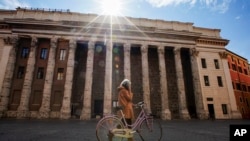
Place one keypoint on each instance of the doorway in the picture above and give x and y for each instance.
(211, 111)
(98, 108)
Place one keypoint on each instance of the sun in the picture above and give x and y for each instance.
(111, 7)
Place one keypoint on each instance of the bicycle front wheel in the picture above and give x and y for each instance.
(105, 126)
(150, 130)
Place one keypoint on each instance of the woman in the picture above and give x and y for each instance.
(125, 97)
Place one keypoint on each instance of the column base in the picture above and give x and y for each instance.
(166, 114)
(202, 115)
(184, 114)
(23, 114)
(43, 113)
(236, 115)
(85, 116)
(65, 115)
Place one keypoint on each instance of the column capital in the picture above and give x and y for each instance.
(127, 47)
(10, 40)
(144, 48)
(72, 43)
(33, 41)
(223, 55)
(161, 49)
(91, 44)
(177, 50)
(53, 42)
(194, 52)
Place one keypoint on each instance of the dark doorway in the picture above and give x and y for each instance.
(98, 108)
(211, 111)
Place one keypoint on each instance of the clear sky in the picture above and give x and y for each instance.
(231, 16)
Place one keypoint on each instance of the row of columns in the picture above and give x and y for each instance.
(44, 111)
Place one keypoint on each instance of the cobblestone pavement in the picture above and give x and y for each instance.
(78, 130)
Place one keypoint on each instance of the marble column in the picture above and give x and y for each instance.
(165, 113)
(145, 77)
(23, 108)
(127, 72)
(197, 85)
(234, 111)
(180, 84)
(44, 111)
(86, 111)
(107, 107)
(10, 42)
(65, 112)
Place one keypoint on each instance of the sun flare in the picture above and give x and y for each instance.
(111, 7)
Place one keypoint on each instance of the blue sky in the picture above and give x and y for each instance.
(231, 16)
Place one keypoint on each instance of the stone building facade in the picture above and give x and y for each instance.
(59, 64)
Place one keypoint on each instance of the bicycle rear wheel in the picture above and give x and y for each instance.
(150, 130)
(104, 128)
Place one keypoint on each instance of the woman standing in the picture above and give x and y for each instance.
(125, 97)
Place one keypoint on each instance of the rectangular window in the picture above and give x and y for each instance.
(20, 72)
(238, 87)
(44, 52)
(203, 63)
(60, 73)
(25, 52)
(245, 71)
(248, 88)
(224, 108)
(219, 79)
(216, 63)
(40, 73)
(240, 70)
(233, 85)
(206, 80)
(62, 54)
(234, 67)
(244, 88)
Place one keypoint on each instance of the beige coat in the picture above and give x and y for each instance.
(125, 99)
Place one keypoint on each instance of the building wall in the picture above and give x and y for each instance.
(240, 77)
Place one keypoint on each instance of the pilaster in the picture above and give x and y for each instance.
(201, 114)
(11, 42)
(44, 111)
(86, 111)
(165, 113)
(180, 84)
(23, 109)
(145, 77)
(65, 112)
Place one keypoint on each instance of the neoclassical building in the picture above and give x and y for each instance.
(60, 64)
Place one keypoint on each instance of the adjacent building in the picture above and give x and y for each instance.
(239, 71)
(60, 64)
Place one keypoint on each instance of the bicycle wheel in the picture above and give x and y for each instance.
(104, 128)
(150, 130)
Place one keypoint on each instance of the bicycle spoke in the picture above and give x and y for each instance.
(150, 131)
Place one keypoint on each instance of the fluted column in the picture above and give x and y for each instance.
(145, 77)
(107, 109)
(197, 85)
(180, 84)
(10, 42)
(44, 110)
(23, 109)
(86, 111)
(65, 112)
(165, 113)
(127, 72)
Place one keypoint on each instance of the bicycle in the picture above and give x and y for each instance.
(113, 128)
